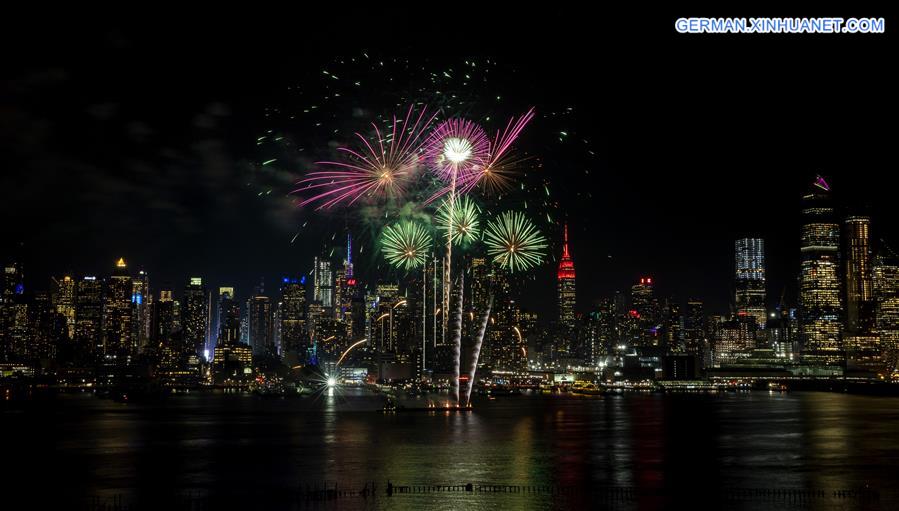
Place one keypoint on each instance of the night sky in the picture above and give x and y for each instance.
(139, 139)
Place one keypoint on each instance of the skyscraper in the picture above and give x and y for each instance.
(645, 312)
(259, 314)
(734, 340)
(384, 325)
(292, 314)
(344, 289)
(48, 328)
(195, 315)
(232, 359)
(141, 302)
(163, 317)
(229, 317)
(694, 329)
(750, 279)
(117, 313)
(566, 284)
(13, 280)
(502, 344)
(598, 332)
(12, 309)
(565, 338)
(859, 285)
(63, 299)
(821, 307)
(886, 299)
(672, 327)
(89, 314)
(323, 285)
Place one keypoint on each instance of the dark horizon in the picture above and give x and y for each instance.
(136, 143)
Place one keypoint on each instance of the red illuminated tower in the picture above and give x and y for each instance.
(566, 284)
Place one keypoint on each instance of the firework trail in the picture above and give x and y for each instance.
(476, 351)
(455, 149)
(348, 350)
(457, 336)
(371, 170)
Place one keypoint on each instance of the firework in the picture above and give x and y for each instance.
(514, 242)
(405, 245)
(495, 174)
(371, 170)
(357, 343)
(456, 148)
(459, 220)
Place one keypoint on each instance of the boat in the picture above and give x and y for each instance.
(498, 390)
(391, 406)
(586, 389)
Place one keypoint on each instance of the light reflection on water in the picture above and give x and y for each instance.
(218, 445)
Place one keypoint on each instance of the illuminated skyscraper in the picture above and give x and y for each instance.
(501, 347)
(195, 315)
(645, 312)
(118, 340)
(292, 316)
(89, 314)
(750, 279)
(13, 280)
(141, 304)
(343, 289)
(63, 299)
(13, 315)
(565, 338)
(734, 340)
(48, 328)
(340, 289)
(821, 307)
(886, 299)
(323, 285)
(345, 292)
(478, 286)
(232, 359)
(163, 318)
(858, 280)
(672, 335)
(385, 321)
(598, 333)
(566, 284)
(694, 329)
(259, 315)
(229, 317)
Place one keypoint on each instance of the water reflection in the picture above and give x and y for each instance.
(689, 446)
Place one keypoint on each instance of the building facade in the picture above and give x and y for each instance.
(820, 297)
(750, 279)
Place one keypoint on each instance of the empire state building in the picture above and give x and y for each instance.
(566, 285)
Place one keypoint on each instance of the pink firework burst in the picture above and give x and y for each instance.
(456, 148)
(493, 171)
(374, 169)
(495, 174)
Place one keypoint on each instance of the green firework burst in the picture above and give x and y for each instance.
(405, 244)
(461, 221)
(514, 242)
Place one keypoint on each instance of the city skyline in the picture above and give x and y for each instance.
(320, 268)
(838, 317)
